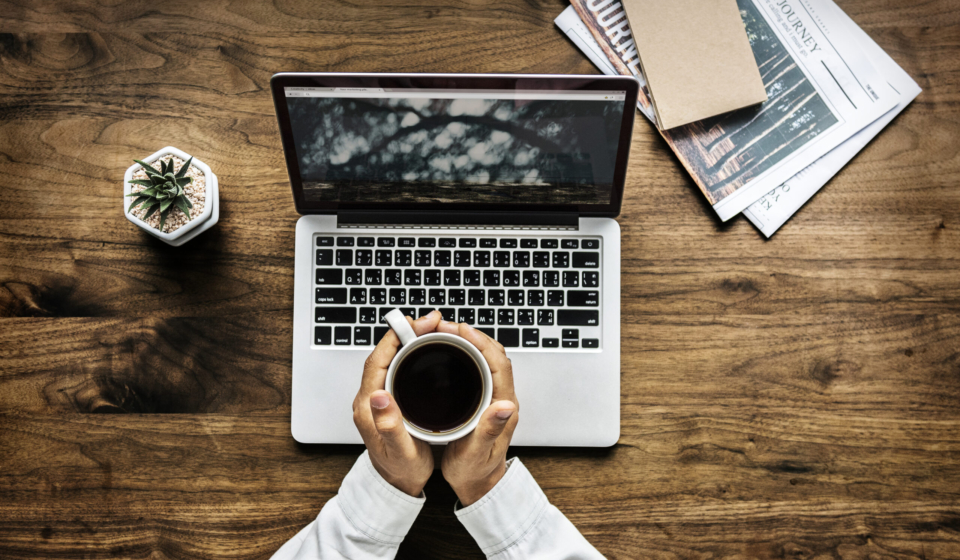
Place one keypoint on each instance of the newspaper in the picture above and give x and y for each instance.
(777, 206)
(822, 90)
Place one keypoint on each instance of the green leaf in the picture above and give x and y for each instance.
(189, 204)
(151, 170)
(144, 182)
(166, 204)
(184, 181)
(137, 201)
(182, 205)
(184, 168)
(163, 218)
(150, 212)
(152, 191)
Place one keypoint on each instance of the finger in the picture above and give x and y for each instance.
(387, 419)
(500, 367)
(449, 327)
(375, 368)
(426, 324)
(493, 422)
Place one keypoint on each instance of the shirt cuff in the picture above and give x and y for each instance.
(507, 512)
(374, 507)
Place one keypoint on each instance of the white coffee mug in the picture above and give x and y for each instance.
(409, 341)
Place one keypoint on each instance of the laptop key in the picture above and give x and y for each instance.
(481, 258)
(358, 296)
(324, 257)
(324, 242)
(411, 277)
(364, 257)
(570, 333)
(365, 242)
(508, 243)
(409, 312)
(548, 243)
(589, 244)
(561, 259)
(505, 316)
(344, 242)
(501, 259)
(386, 242)
(531, 278)
(466, 315)
(487, 331)
(418, 296)
(368, 315)
(541, 259)
(341, 336)
(379, 333)
(461, 258)
(525, 316)
(406, 242)
(329, 276)
(331, 295)
(361, 336)
(378, 296)
(451, 277)
(485, 316)
(490, 278)
(571, 343)
(373, 277)
(488, 243)
(402, 257)
(571, 279)
(424, 311)
(545, 317)
(384, 258)
(591, 342)
(551, 278)
(555, 298)
(353, 277)
(528, 243)
(421, 258)
(448, 242)
(431, 278)
(494, 297)
(583, 298)
(515, 297)
(427, 242)
(398, 296)
(521, 259)
(438, 297)
(586, 260)
(449, 314)
(511, 278)
(321, 335)
(569, 243)
(531, 338)
(391, 276)
(344, 257)
(509, 338)
(551, 343)
(591, 279)
(335, 315)
(578, 317)
(471, 277)
(441, 258)
(476, 297)
(457, 296)
(468, 243)
(535, 298)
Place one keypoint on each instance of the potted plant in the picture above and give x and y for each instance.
(171, 195)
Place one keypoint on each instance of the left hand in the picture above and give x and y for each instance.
(402, 460)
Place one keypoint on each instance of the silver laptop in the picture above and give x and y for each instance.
(488, 197)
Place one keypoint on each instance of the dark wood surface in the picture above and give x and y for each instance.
(797, 397)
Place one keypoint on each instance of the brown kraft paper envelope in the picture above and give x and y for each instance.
(696, 58)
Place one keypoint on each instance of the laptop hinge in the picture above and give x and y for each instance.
(458, 220)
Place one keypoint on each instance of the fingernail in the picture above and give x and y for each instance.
(379, 401)
(504, 414)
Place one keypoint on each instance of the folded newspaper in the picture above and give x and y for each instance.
(823, 91)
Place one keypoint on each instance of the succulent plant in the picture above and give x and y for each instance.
(164, 190)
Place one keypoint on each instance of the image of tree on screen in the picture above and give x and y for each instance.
(418, 149)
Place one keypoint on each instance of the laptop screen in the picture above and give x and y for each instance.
(365, 147)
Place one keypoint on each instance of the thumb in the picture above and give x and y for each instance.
(386, 417)
(494, 421)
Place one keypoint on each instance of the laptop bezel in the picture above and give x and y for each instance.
(547, 82)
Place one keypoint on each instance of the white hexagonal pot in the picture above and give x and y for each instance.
(193, 228)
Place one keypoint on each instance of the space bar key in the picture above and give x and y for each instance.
(578, 317)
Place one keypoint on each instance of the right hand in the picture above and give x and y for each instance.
(475, 463)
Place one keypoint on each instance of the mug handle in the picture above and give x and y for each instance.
(398, 322)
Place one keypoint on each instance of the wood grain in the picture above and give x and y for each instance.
(796, 397)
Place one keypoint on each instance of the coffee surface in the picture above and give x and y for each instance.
(438, 387)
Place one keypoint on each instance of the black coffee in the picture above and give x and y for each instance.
(438, 387)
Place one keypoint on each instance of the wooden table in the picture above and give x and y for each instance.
(797, 397)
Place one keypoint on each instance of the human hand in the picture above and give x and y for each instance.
(475, 463)
(402, 460)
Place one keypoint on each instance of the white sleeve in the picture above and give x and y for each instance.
(515, 520)
(368, 519)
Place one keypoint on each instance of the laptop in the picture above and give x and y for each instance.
(488, 197)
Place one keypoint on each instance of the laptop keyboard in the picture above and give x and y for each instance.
(533, 291)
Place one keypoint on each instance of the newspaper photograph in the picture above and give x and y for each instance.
(822, 90)
(777, 206)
